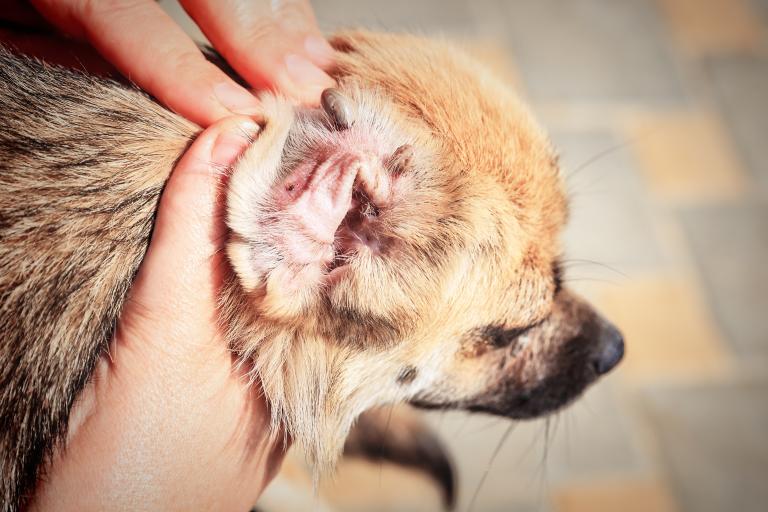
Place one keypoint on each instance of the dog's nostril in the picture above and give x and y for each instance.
(610, 350)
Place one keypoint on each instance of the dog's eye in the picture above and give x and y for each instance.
(500, 337)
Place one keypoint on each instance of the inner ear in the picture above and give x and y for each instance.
(291, 233)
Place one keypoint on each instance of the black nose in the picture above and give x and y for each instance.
(610, 350)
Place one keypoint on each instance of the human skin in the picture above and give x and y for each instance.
(168, 423)
(272, 45)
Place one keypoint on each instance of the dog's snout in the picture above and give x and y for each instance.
(610, 350)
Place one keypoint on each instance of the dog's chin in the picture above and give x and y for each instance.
(545, 398)
(540, 401)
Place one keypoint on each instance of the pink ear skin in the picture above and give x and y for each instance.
(312, 205)
(293, 236)
(322, 202)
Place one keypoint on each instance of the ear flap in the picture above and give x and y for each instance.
(254, 175)
(239, 256)
(289, 231)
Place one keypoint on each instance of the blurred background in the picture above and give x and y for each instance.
(660, 111)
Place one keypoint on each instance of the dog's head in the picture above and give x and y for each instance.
(401, 243)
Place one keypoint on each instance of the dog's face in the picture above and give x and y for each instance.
(401, 243)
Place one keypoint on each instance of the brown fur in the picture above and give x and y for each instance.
(462, 308)
(82, 163)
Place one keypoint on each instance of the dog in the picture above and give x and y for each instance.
(400, 243)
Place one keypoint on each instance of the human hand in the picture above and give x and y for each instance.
(167, 423)
(274, 45)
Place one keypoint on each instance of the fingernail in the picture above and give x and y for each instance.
(231, 142)
(236, 99)
(305, 74)
(319, 50)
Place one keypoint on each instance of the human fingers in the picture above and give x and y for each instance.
(184, 263)
(274, 45)
(150, 49)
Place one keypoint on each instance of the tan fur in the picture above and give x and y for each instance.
(460, 308)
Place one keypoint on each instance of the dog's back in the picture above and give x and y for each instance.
(82, 164)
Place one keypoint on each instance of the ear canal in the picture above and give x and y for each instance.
(339, 108)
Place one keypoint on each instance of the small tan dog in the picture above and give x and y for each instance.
(399, 244)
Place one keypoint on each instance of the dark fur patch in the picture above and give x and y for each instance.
(407, 375)
(557, 275)
(493, 337)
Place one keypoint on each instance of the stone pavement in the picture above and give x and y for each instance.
(660, 111)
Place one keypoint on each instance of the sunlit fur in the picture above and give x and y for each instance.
(470, 238)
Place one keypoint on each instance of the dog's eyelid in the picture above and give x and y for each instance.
(557, 275)
(501, 336)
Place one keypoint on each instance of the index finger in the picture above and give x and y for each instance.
(151, 50)
(291, 50)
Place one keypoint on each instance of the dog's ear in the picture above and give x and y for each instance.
(398, 434)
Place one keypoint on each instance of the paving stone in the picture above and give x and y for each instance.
(611, 220)
(730, 244)
(592, 437)
(373, 487)
(668, 329)
(687, 157)
(472, 440)
(496, 58)
(712, 27)
(425, 16)
(713, 439)
(762, 7)
(741, 84)
(594, 50)
(615, 494)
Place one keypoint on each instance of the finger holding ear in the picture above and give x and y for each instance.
(151, 50)
(272, 44)
(183, 264)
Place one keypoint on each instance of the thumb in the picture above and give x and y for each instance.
(189, 230)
